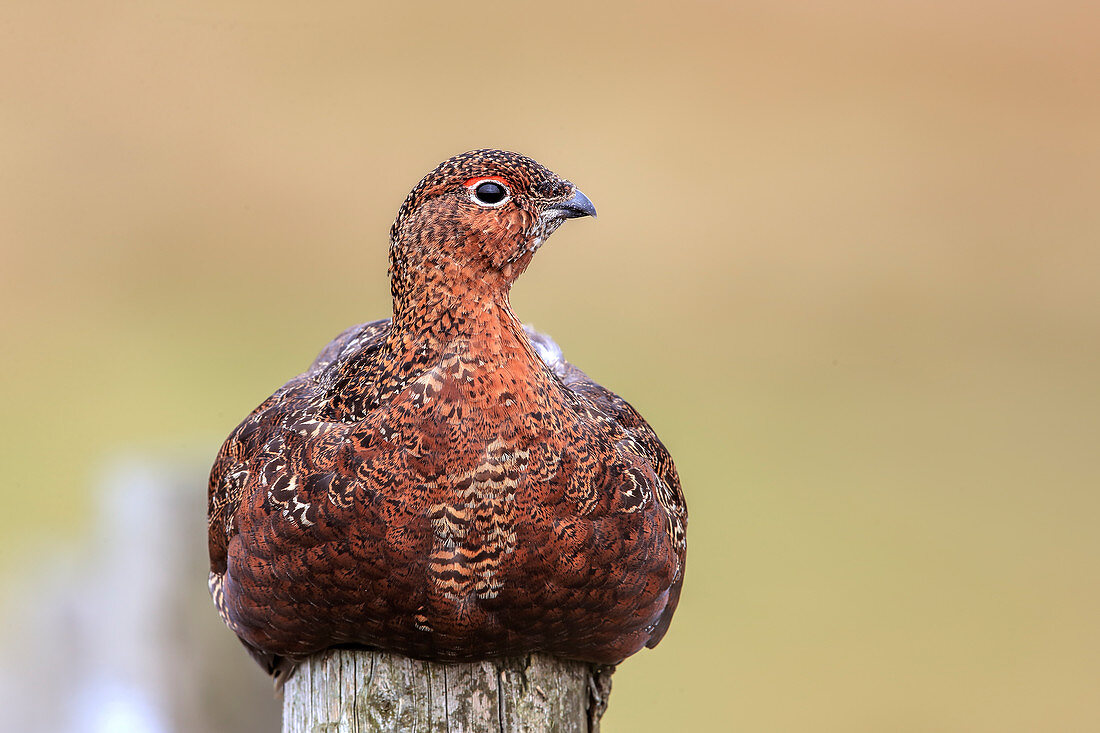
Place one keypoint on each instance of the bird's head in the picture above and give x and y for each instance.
(477, 220)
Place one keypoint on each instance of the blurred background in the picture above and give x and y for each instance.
(847, 264)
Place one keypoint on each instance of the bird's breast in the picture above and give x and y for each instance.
(477, 432)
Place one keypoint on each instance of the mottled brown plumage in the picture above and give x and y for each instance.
(444, 484)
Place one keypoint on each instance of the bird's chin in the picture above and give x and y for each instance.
(548, 223)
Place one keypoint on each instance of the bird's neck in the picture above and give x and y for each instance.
(431, 330)
(448, 302)
(447, 295)
(449, 321)
(439, 311)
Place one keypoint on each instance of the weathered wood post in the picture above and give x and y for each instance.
(351, 691)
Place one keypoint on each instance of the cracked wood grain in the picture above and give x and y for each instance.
(356, 691)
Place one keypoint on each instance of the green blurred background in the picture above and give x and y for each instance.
(847, 264)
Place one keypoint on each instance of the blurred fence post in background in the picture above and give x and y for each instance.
(350, 691)
(116, 631)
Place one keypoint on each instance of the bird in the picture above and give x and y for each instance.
(442, 483)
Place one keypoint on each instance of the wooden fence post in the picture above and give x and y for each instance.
(352, 691)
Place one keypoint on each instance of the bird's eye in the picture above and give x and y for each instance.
(490, 193)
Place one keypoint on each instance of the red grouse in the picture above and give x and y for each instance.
(443, 484)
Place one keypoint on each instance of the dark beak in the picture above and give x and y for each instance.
(576, 206)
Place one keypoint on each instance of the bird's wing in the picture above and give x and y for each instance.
(637, 438)
(355, 338)
(228, 475)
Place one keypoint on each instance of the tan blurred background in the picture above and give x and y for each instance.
(847, 263)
